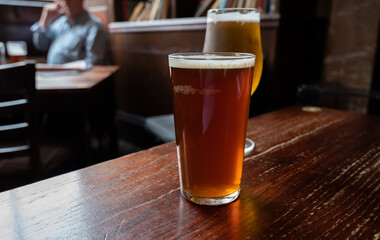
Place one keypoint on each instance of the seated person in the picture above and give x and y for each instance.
(69, 33)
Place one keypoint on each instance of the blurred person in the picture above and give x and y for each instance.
(69, 33)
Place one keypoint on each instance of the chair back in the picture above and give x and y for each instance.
(18, 113)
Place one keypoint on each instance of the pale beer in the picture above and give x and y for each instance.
(235, 30)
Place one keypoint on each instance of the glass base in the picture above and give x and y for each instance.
(211, 201)
(249, 146)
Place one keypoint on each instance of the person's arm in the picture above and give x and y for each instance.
(50, 13)
(42, 38)
(42, 35)
(97, 46)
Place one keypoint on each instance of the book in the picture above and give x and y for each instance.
(165, 9)
(247, 3)
(145, 12)
(154, 11)
(173, 8)
(127, 8)
(203, 7)
(223, 3)
(234, 4)
(260, 5)
(252, 4)
(160, 8)
(137, 11)
(216, 4)
(240, 4)
(229, 3)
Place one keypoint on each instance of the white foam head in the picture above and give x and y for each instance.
(233, 15)
(17, 48)
(212, 60)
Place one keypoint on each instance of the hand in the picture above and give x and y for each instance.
(50, 13)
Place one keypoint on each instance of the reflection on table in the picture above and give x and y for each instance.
(313, 174)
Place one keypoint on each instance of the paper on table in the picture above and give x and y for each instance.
(79, 65)
(57, 73)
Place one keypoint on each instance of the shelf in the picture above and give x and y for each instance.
(179, 24)
(173, 24)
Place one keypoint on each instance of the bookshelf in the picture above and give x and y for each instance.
(142, 10)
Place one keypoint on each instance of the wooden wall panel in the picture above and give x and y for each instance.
(351, 47)
(141, 50)
(143, 83)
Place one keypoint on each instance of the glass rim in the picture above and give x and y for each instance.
(227, 10)
(212, 60)
(219, 56)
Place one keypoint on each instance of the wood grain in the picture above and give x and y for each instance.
(313, 175)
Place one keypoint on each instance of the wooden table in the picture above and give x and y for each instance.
(73, 81)
(312, 175)
(87, 102)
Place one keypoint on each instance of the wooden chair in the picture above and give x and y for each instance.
(18, 114)
(20, 149)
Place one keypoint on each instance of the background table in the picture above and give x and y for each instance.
(86, 100)
(311, 175)
(73, 81)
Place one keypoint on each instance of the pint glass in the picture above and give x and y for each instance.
(17, 51)
(211, 95)
(236, 30)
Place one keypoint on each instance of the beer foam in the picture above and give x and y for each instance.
(233, 17)
(211, 62)
(17, 52)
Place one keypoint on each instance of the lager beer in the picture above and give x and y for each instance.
(235, 30)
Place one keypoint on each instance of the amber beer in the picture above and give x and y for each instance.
(17, 58)
(211, 94)
(235, 30)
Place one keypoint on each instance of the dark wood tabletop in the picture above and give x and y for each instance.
(313, 175)
(74, 81)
